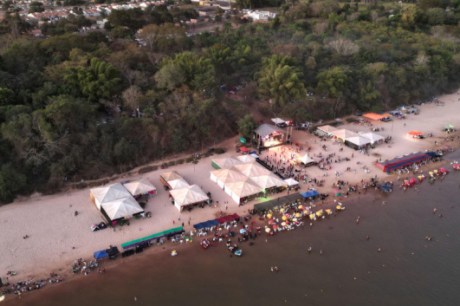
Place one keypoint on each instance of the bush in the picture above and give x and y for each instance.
(219, 150)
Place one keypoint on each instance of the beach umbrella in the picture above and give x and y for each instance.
(298, 215)
(300, 207)
(269, 216)
(281, 210)
(267, 230)
(283, 224)
(284, 218)
(242, 231)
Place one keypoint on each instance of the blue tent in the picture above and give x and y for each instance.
(309, 194)
(206, 224)
(98, 255)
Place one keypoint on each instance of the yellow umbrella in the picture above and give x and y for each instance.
(284, 218)
(298, 215)
(300, 207)
(269, 216)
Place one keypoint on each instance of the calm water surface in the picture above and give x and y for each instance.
(408, 271)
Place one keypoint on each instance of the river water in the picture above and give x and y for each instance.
(409, 270)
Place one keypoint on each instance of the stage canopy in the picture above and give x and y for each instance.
(140, 187)
(373, 137)
(189, 195)
(122, 208)
(343, 134)
(108, 193)
(266, 129)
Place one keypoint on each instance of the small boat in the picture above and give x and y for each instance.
(173, 253)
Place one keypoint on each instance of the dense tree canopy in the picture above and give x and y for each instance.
(80, 106)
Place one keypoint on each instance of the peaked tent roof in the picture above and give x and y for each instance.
(278, 120)
(228, 175)
(268, 181)
(172, 175)
(188, 195)
(343, 134)
(306, 159)
(244, 188)
(359, 140)
(373, 137)
(246, 158)
(291, 182)
(375, 116)
(178, 183)
(251, 170)
(267, 129)
(109, 193)
(327, 129)
(226, 162)
(122, 208)
(142, 186)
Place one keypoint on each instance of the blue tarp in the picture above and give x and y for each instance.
(309, 194)
(101, 254)
(206, 224)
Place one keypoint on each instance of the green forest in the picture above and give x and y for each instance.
(79, 106)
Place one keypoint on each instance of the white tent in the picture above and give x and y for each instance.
(326, 130)
(108, 193)
(140, 187)
(373, 137)
(178, 183)
(246, 159)
(225, 163)
(251, 170)
(169, 176)
(358, 141)
(224, 176)
(268, 181)
(305, 159)
(343, 134)
(238, 190)
(122, 208)
(291, 182)
(188, 196)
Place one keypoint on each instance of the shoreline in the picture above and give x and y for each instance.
(64, 204)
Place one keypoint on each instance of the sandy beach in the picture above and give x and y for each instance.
(56, 237)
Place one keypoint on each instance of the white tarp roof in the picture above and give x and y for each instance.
(291, 182)
(122, 208)
(188, 195)
(243, 189)
(226, 162)
(172, 175)
(268, 181)
(373, 137)
(359, 141)
(278, 120)
(224, 176)
(246, 158)
(140, 187)
(343, 134)
(178, 183)
(251, 170)
(306, 159)
(327, 129)
(109, 193)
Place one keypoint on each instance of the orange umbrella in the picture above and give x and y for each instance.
(415, 133)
